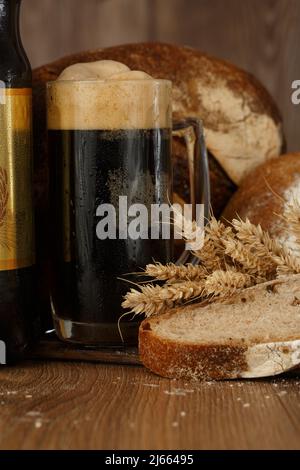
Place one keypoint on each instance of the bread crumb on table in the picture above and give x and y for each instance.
(151, 385)
(38, 423)
(33, 413)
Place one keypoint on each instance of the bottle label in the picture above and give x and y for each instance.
(16, 212)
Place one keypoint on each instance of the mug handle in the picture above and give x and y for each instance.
(191, 130)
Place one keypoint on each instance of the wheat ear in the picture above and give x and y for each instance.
(153, 300)
(226, 283)
(212, 255)
(292, 218)
(172, 272)
(250, 264)
(265, 247)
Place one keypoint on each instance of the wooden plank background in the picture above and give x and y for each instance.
(262, 36)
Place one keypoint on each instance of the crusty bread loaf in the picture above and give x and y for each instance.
(264, 195)
(242, 123)
(255, 333)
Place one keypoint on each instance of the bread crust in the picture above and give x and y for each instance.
(178, 64)
(263, 195)
(191, 362)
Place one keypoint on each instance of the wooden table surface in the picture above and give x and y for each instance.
(77, 405)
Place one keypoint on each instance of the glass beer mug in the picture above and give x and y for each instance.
(110, 152)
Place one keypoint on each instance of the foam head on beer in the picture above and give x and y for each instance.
(102, 70)
(108, 95)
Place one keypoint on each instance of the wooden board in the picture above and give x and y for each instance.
(51, 348)
(75, 405)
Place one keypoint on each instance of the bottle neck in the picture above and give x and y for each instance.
(9, 19)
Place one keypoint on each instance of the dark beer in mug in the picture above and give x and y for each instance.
(106, 139)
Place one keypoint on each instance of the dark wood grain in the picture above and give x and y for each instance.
(59, 405)
(261, 36)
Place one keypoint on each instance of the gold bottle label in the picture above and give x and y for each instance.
(16, 213)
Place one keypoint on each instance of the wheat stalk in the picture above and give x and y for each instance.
(182, 291)
(287, 263)
(226, 283)
(146, 300)
(265, 247)
(210, 256)
(213, 255)
(172, 272)
(244, 255)
(217, 232)
(154, 300)
(292, 218)
(233, 258)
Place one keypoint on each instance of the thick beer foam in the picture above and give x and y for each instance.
(107, 95)
(99, 70)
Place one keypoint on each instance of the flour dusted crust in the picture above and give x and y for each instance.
(271, 358)
(227, 358)
(265, 194)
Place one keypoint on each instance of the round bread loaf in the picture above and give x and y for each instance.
(265, 194)
(242, 123)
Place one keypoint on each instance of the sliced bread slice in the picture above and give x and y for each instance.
(255, 333)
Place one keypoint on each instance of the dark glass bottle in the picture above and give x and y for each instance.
(18, 318)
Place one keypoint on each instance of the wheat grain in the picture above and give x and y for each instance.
(210, 256)
(244, 255)
(287, 264)
(226, 283)
(292, 218)
(172, 272)
(253, 235)
(182, 291)
(145, 301)
(232, 259)
(154, 300)
(213, 255)
(265, 247)
(218, 232)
